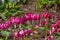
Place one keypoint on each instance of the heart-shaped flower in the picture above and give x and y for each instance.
(46, 15)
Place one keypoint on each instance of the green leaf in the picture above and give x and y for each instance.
(1, 39)
(5, 1)
(5, 33)
(12, 11)
(58, 34)
(33, 28)
(25, 25)
(43, 28)
(9, 14)
(23, 1)
(45, 1)
(39, 4)
(2, 7)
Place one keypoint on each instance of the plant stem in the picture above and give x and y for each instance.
(52, 33)
(46, 33)
(14, 30)
(53, 37)
(6, 38)
(46, 28)
(14, 38)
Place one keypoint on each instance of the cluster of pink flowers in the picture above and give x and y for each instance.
(17, 20)
(43, 22)
(27, 16)
(30, 16)
(54, 29)
(10, 22)
(22, 33)
(46, 15)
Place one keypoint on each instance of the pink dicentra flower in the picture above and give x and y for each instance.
(38, 16)
(54, 26)
(43, 23)
(2, 26)
(21, 33)
(58, 30)
(58, 23)
(12, 19)
(50, 38)
(15, 34)
(30, 16)
(34, 17)
(8, 24)
(46, 15)
(26, 31)
(22, 21)
(17, 20)
(27, 16)
(37, 26)
(30, 31)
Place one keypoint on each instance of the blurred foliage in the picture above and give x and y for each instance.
(58, 34)
(43, 28)
(40, 3)
(5, 33)
(8, 9)
(23, 1)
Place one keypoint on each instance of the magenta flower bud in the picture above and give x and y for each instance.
(8, 24)
(51, 32)
(37, 26)
(21, 33)
(2, 26)
(58, 23)
(38, 16)
(17, 20)
(22, 21)
(30, 31)
(50, 38)
(34, 17)
(46, 15)
(26, 31)
(12, 20)
(54, 26)
(15, 34)
(27, 16)
(43, 23)
(58, 30)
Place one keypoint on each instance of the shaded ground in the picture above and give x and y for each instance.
(29, 6)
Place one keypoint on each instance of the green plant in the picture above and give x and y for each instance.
(6, 34)
(8, 9)
(24, 1)
(41, 3)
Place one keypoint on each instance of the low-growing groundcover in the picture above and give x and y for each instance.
(16, 24)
